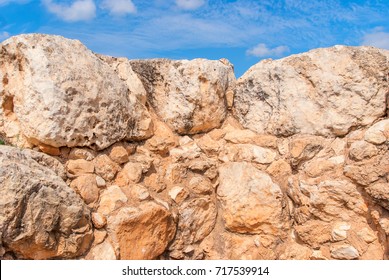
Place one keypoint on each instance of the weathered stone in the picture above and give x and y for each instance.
(86, 187)
(141, 233)
(304, 148)
(380, 193)
(310, 93)
(65, 95)
(79, 167)
(100, 182)
(85, 153)
(130, 174)
(53, 151)
(119, 154)
(105, 167)
(200, 185)
(339, 231)
(111, 199)
(251, 202)
(188, 95)
(178, 194)
(344, 252)
(56, 222)
(103, 251)
(247, 152)
(361, 150)
(197, 218)
(378, 133)
(99, 221)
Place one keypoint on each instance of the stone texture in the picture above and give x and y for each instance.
(141, 233)
(56, 222)
(188, 95)
(63, 95)
(111, 199)
(311, 92)
(378, 133)
(105, 167)
(86, 187)
(251, 202)
(344, 252)
(79, 167)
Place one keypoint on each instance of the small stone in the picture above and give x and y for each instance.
(360, 150)
(189, 249)
(79, 167)
(119, 154)
(99, 236)
(344, 252)
(200, 185)
(53, 151)
(130, 174)
(367, 235)
(140, 192)
(339, 231)
(178, 194)
(103, 251)
(85, 153)
(176, 255)
(378, 133)
(99, 221)
(317, 255)
(105, 167)
(100, 182)
(111, 199)
(86, 186)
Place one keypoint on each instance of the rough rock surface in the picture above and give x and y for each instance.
(190, 96)
(311, 92)
(294, 166)
(57, 92)
(40, 216)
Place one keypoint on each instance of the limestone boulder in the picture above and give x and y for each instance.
(54, 91)
(310, 93)
(250, 201)
(190, 96)
(40, 216)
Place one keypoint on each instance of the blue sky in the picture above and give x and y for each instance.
(243, 31)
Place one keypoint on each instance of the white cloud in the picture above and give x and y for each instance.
(79, 10)
(189, 4)
(4, 35)
(261, 50)
(378, 38)
(5, 2)
(119, 7)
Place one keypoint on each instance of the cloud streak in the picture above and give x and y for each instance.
(189, 4)
(261, 50)
(79, 10)
(119, 7)
(378, 38)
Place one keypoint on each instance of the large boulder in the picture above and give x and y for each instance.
(190, 96)
(57, 92)
(322, 92)
(40, 216)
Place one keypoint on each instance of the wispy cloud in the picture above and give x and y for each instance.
(5, 2)
(377, 38)
(261, 50)
(4, 35)
(79, 10)
(189, 4)
(119, 7)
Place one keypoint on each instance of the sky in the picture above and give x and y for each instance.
(243, 31)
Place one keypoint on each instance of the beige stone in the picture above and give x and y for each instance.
(251, 202)
(361, 150)
(103, 251)
(118, 154)
(184, 86)
(86, 186)
(65, 95)
(99, 221)
(378, 133)
(105, 167)
(131, 173)
(53, 151)
(310, 93)
(79, 167)
(178, 194)
(111, 199)
(85, 153)
(344, 252)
